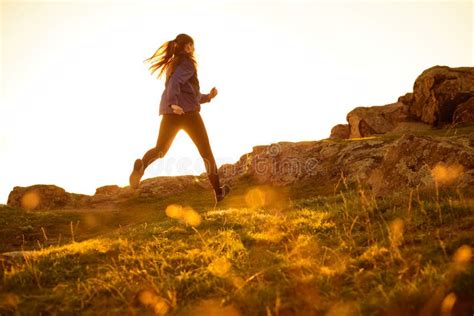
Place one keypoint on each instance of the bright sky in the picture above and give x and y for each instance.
(78, 104)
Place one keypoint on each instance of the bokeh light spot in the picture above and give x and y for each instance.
(447, 305)
(463, 255)
(191, 217)
(220, 267)
(174, 211)
(255, 198)
(157, 304)
(446, 174)
(30, 200)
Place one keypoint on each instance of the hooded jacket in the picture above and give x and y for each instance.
(182, 88)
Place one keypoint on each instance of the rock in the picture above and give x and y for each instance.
(279, 163)
(406, 99)
(384, 164)
(367, 121)
(410, 127)
(464, 114)
(107, 190)
(438, 91)
(39, 197)
(340, 131)
(410, 162)
(47, 197)
(105, 194)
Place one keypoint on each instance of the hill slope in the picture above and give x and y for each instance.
(347, 253)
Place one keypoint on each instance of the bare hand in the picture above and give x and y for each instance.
(177, 109)
(213, 93)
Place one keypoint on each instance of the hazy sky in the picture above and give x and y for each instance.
(78, 104)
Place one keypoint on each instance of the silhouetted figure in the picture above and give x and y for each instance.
(180, 105)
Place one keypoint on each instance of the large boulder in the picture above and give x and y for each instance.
(437, 92)
(340, 131)
(367, 121)
(43, 197)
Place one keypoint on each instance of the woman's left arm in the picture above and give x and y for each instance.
(204, 98)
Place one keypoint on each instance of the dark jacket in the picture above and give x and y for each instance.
(182, 88)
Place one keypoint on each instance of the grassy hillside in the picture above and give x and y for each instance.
(260, 253)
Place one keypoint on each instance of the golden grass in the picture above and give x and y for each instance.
(346, 254)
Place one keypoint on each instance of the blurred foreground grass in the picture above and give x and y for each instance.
(260, 253)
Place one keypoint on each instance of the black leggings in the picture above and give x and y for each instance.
(193, 125)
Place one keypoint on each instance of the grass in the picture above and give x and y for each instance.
(262, 253)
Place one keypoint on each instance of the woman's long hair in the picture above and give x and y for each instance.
(169, 55)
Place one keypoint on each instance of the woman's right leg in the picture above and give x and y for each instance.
(169, 127)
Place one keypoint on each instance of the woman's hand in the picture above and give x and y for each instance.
(177, 109)
(213, 93)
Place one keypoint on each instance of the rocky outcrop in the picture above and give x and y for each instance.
(384, 164)
(44, 197)
(440, 99)
(368, 121)
(438, 91)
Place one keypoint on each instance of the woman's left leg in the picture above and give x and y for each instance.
(193, 125)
